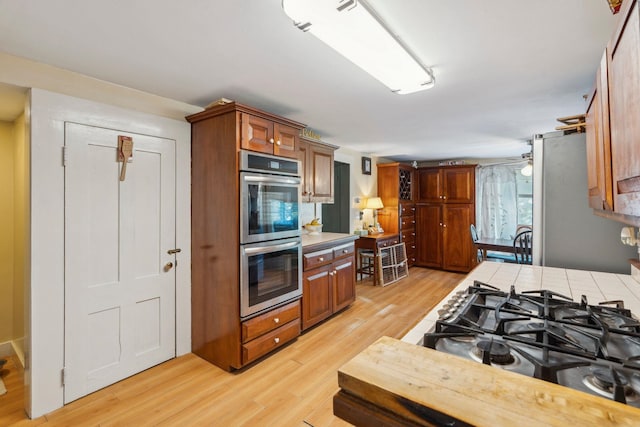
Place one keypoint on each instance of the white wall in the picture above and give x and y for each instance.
(361, 185)
(45, 289)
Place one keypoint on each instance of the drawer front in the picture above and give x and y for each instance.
(407, 209)
(270, 341)
(264, 323)
(343, 250)
(407, 222)
(314, 259)
(408, 235)
(383, 243)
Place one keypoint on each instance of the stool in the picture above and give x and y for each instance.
(365, 263)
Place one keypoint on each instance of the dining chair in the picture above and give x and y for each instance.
(522, 247)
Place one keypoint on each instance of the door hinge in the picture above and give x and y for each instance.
(63, 376)
(64, 156)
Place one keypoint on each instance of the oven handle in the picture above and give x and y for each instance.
(270, 248)
(272, 179)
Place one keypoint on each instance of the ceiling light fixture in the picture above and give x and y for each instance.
(356, 31)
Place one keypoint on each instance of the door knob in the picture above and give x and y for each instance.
(168, 266)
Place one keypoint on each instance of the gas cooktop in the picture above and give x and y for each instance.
(545, 335)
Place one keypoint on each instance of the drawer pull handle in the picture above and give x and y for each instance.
(276, 320)
(276, 340)
(321, 259)
(344, 251)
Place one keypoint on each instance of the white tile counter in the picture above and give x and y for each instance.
(596, 286)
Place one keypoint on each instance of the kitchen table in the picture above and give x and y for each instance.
(500, 245)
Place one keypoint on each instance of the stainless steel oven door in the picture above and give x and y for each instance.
(269, 207)
(271, 274)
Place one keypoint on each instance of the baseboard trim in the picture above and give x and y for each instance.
(13, 348)
(6, 349)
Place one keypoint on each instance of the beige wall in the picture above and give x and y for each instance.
(19, 236)
(7, 148)
(12, 229)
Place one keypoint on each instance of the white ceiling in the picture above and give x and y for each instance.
(505, 69)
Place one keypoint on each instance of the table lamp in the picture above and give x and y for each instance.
(374, 203)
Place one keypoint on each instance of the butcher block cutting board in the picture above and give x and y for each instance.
(396, 383)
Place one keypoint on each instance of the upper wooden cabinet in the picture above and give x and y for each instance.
(317, 170)
(623, 66)
(451, 184)
(268, 136)
(598, 143)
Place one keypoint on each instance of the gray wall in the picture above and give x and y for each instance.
(573, 237)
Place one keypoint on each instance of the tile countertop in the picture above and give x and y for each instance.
(597, 287)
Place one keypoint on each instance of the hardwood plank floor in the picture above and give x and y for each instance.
(293, 387)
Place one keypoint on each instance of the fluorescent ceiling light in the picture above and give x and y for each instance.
(354, 30)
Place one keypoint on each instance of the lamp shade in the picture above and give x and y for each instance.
(374, 203)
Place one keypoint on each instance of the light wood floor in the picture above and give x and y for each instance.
(293, 387)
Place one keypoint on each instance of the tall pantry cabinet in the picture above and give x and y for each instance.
(445, 210)
(397, 190)
(218, 334)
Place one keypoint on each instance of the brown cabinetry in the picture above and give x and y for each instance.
(445, 210)
(397, 191)
(598, 143)
(623, 66)
(317, 170)
(217, 332)
(613, 162)
(265, 333)
(328, 282)
(268, 136)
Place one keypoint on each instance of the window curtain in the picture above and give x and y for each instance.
(497, 200)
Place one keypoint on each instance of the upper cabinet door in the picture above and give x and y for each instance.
(459, 185)
(430, 185)
(257, 134)
(286, 140)
(624, 108)
(598, 143)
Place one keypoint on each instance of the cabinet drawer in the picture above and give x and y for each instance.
(343, 250)
(408, 235)
(407, 222)
(270, 341)
(314, 259)
(388, 242)
(407, 210)
(264, 323)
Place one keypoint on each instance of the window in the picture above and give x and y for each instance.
(504, 200)
(524, 189)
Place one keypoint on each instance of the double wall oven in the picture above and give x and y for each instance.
(270, 243)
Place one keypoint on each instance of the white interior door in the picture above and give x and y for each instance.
(119, 288)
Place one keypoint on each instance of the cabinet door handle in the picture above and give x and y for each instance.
(440, 224)
(276, 320)
(278, 142)
(445, 225)
(276, 340)
(271, 140)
